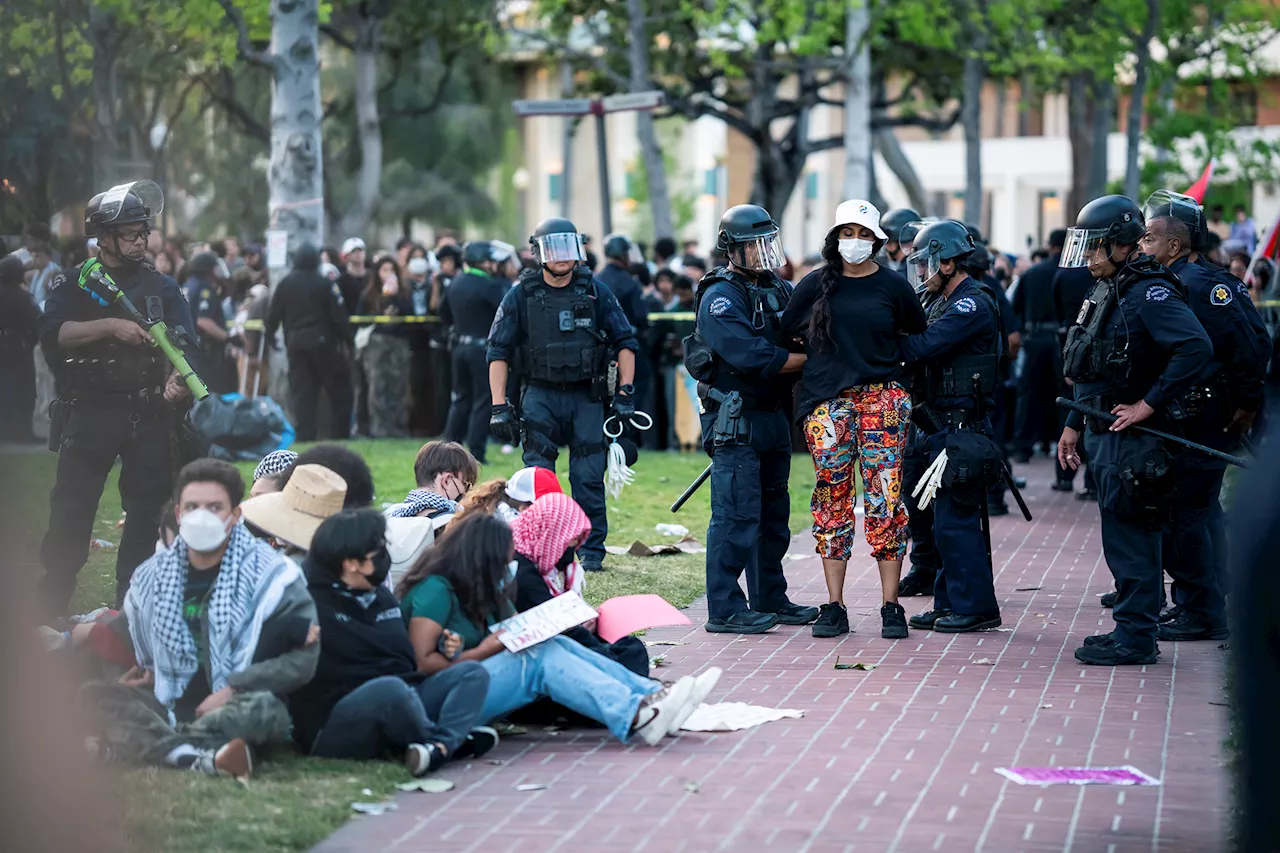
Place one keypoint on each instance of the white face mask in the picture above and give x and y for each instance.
(202, 530)
(856, 251)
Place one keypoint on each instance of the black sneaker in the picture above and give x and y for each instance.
(479, 740)
(956, 623)
(1107, 652)
(1188, 628)
(927, 619)
(1062, 486)
(742, 622)
(833, 620)
(893, 621)
(793, 614)
(423, 758)
(1087, 495)
(1172, 613)
(1109, 599)
(1094, 639)
(917, 582)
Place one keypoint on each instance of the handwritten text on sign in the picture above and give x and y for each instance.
(544, 621)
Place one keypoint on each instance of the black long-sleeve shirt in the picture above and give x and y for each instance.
(312, 310)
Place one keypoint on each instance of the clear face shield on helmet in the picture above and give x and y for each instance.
(921, 267)
(113, 201)
(758, 253)
(1180, 206)
(550, 248)
(1083, 245)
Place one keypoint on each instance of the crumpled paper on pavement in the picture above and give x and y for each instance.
(735, 716)
(687, 545)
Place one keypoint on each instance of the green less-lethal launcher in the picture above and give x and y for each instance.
(95, 281)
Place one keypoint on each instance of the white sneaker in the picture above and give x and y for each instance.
(702, 687)
(658, 711)
(233, 759)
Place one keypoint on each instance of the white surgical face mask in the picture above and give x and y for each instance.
(202, 530)
(856, 251)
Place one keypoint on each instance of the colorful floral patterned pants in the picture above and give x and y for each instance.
(865, 426)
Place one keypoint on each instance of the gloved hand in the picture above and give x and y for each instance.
(504, 425)
(624, 406)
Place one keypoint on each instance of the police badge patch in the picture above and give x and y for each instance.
(1220, 295)
(1158, 293)
(966, 305)
(718, 306)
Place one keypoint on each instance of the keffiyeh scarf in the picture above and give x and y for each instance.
(250, 585)
(422, 499)
(544, 531)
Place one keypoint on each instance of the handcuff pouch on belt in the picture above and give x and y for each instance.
(1144, 468)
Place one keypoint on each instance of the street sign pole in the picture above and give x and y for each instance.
(597, 107)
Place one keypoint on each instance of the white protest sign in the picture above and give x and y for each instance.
(544, 621)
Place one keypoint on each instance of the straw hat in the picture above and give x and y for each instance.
(312, 494)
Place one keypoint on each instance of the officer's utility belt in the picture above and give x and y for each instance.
(751, 402)
(958, 418)
(1030, 328)
(469, 340)
(579, 385)
(956, 379)
(119, 399)
(1209, 401)
(730, 427)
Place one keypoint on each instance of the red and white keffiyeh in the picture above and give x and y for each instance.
(544, 531)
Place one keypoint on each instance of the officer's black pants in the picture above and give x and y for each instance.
(311, 369)
(1037, 416)
(553, 417)
(1187, 546)
(750, 507)
(1132, 548)
(472, 400)
(924, 553)
(92, 440)
(18, 391)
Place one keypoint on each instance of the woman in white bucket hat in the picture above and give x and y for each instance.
(854, 406)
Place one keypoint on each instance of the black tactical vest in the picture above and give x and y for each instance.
(765, 304)
(953, 377)
(564, 339)
(105, 368)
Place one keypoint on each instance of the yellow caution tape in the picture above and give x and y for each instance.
(364, 319)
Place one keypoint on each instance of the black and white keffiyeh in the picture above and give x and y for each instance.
(419, 500)
(273, 463)
(250, 585)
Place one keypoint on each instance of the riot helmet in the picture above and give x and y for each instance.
(203, 265)
(893, 220)
(477, 252)
(1183, 208)
(123, 204)
(1103, 224)
(945, 240)
(618, 247)
(750, 238)
(910, 230)
(557, 239)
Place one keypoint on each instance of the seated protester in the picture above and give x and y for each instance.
(347, 464)
(508, 498)
(222, 627)
(546, 536)
(287, 519)
(267, 476)
(368, 699)
(445, 471)
(464, 583)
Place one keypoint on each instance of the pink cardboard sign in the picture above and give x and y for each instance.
(627, 614)
(1126, 775)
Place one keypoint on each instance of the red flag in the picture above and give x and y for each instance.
(1200, 187)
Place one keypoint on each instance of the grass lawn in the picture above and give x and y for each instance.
(292, 802)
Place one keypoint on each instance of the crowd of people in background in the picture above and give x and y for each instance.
(397, 377)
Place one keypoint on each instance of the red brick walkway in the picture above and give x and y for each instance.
(901, 758)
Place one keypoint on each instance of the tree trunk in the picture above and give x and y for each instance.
(775, 179)
(655, 169)
(295, 174)
(368, 130)
(106, 140)
(858, 179)
(1137, 99)
(971, 118)
(1081, 138)
(1102, 120)
(896, 159)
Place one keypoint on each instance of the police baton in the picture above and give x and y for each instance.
(1108, 418)
(693, 487)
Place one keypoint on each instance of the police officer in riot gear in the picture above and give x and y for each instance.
(741, 362)
(567, 328)
(1137, 352)
(1230, 394)
(115, 392)
(469, 306)
(958, 358)
(894, 251)
(620, 253)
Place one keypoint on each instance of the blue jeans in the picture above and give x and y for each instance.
(387, 714)
(576, 677)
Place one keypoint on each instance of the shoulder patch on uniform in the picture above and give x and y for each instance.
(57, 281)
(1158, 293)
(1220, 295)
(719, 305)
(966, 305)
(337, 291)
(1242, 288)
(204, 293)
(498, 315)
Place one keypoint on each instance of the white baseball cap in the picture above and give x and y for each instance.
(351, 245)
(855, 211)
